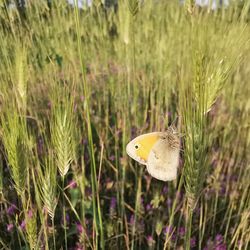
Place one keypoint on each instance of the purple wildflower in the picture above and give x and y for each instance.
(149, 207)
(49, 104)
(72, 184)
(168, 229)
(112, 158)
(181, 231)
(193, 242)
(22, 225)
(113, 202)
(67, 218)
(165, 190)
(30, 214)
(221, 247)
(79, 246)
(84, 141)
(218, 238)
(169, 202)
(11, 209)
(222, 191)
(10, 227)
(150, 241)
(132, 219)
(240, 244)
(79, 227)
(173, 237)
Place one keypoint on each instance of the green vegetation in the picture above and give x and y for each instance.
(78, 84)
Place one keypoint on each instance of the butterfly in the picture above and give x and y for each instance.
(159, 151)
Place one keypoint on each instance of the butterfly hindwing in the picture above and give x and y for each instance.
(163, 160)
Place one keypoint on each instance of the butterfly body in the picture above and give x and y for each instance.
(159, 151)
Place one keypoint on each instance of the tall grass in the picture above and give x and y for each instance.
(78, 84)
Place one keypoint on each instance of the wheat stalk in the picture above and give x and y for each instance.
(31, 227)
(62, 133)
(19, 80)
(14, 135)
(133, 6)
(47, 185)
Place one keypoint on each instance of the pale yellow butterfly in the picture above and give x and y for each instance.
(159, 151)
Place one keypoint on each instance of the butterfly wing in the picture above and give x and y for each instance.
(163, 159)
(140, 147)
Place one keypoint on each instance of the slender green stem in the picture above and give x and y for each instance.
(215, 209)
(137, 207)
(64, 217)
(45, 228)
(189, 228)
(82, 186)
(171, 220)
(54, 236)
(98, 224)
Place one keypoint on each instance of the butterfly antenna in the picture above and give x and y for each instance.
(175, 128)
